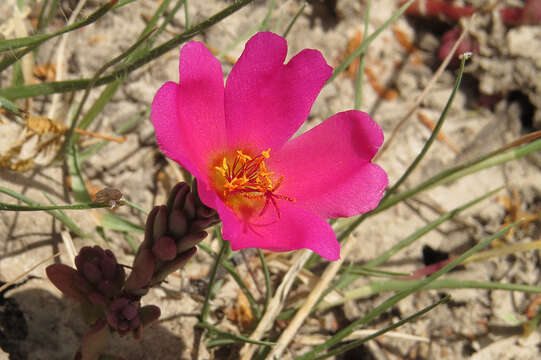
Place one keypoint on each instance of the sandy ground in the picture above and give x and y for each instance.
(476, 324)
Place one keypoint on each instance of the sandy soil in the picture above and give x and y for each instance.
(476, 324)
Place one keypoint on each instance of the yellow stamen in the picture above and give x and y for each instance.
(249, 177)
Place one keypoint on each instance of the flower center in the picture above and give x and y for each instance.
(248, 178)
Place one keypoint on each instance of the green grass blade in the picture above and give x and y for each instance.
(10, 106)
(33, 41)
(237, 338)
(73, 85)
(58, 215)
(113, 222)
(357, 343)
(460, 171)
(15, 207)
(434, 133)
(131, 49)
(268, 286)
(212, 277)
(359, 85)
(424, 230)
(78, 186)
(235, 275)
(378, 310)
(186, 14)
(96, 108)
(381, 286)
(294, 20)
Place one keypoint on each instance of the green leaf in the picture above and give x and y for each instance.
(113, 222)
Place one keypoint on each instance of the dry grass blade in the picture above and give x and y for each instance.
(359, 334)
(276, 304)
(330, 272)
(70, 247)
(60, 56)
(11, 282)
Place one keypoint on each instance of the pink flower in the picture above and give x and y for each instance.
(270, 192)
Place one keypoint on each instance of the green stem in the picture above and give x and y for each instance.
(268, 290)
(362, 57)
(206, 305)
(294, 20)
(238, 338)
(434, 133)
(186, 14)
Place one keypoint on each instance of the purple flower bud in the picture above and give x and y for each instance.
(141, 274)
(205, 212)
(189, 206)
(108, 267)
(159, 227)
(129, 311)
(189, 241)
(200, 224)
(177, 196)
(178, 224)
(147, 241)
(91, 272)
(135, 322)
(97, 299)
(118, 304)
(165, 248)
(107, 288)
(123, 315)
(112, 319)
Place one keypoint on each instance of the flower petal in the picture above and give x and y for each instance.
(327, 170)
(189, 117)
(267, 101)
(295, 229)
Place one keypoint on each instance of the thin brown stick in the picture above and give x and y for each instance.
(328, 275)
(116, 139)
(5, 286)
(276, 304)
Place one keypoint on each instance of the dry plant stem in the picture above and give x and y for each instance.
(276, 304)
(418, 101)
(27, 61)
(9, 283)
(116, 139)
(328, 275)
(60, 57)
(70, 247)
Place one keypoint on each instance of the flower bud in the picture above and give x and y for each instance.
(165, 248)
(160, 223)
(123, 315)
(142, 271)
(100, 274)
(177, 197)
(189, 206)
(178, 224)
